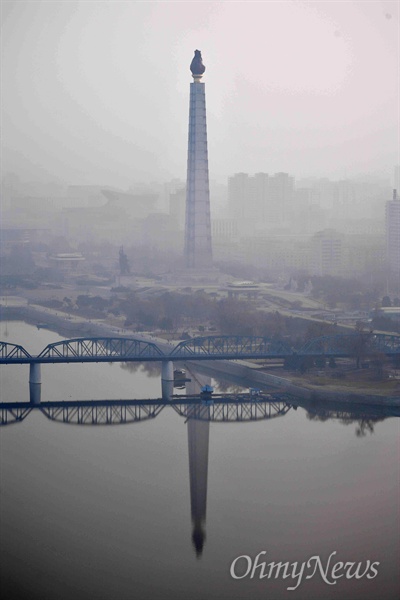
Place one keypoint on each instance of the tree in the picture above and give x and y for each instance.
(317, 329)
(166, 324)
(378, 361)
(68, 302)
(291, 362)
(358, 346)
(359, 326)
(123, 262)
(306, 364)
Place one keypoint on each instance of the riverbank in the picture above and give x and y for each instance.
(78, 327)
(248, 371)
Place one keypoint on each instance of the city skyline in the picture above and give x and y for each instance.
(95, 91)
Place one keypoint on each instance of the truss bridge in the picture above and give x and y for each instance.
(224, 408)
(123, 349)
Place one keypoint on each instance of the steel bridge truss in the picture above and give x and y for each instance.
(120, 412)
(352, 344)
(14, 414)
(101, 413)
(233, 412)
(231, 347)
(101, 348)
(12, 351)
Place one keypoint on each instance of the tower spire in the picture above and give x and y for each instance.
(197, 67)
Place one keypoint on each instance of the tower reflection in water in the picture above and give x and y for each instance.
(198, 425)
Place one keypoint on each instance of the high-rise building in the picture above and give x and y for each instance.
(280, 197)
(326, 253)
(198, 251)
(396, 177)
(260, 201)
(393, 237)
(238, 196)
(177, 201)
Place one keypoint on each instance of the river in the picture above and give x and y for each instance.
(134, 512)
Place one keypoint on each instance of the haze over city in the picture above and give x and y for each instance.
(200, 240)
(96, 92)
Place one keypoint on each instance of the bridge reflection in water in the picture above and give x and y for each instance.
(225, 409)
(198, 411)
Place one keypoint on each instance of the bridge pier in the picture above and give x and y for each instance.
(167, 379)
(167, 372)
(35, 383)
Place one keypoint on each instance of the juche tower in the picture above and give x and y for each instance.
(198, 251)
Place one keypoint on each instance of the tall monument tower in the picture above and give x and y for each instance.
(198, 252)
(393, 240)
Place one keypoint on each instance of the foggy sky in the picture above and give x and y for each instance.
(98, 92)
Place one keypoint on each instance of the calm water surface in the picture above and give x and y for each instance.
(106, 512)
